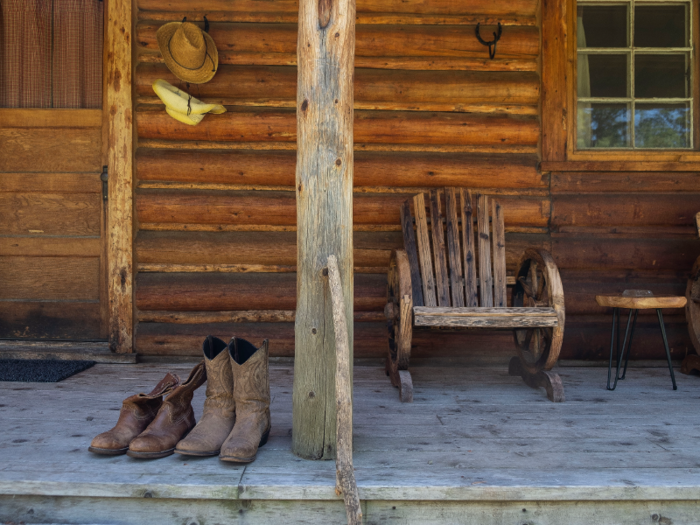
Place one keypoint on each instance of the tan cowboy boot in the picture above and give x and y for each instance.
(219, 408)
(175, 419)
(251, 391)
(136, 414)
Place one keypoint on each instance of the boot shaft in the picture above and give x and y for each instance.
(251, 382)
(219, 378)
(142, 406)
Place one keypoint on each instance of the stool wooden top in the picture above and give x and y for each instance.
(640, 301)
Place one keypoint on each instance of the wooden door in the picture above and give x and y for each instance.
(52, 282)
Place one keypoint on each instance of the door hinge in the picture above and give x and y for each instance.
(104, 177)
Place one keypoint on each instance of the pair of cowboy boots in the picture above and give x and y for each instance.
(236, 418)
(149, 427)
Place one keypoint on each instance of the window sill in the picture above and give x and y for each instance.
(683, 162)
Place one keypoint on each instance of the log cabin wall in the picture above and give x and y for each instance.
(215, 248)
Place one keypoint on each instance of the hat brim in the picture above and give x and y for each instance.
(193, 76)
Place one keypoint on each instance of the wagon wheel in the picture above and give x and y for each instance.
(399, 320)
(692, 307)
(538, 285)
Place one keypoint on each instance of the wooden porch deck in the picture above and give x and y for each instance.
(477, 446)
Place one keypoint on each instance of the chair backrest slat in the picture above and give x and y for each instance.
(455, 259)
(469, 252)
(441, 277)
(499, 257)
(485, 279)
(424, 255)
(409, 242)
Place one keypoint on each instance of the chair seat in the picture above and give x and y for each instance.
(641, 303)
(481, 317)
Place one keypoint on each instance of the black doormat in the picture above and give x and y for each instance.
(40, 370)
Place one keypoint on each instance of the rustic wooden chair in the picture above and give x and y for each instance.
(692, 312)
(437, 288)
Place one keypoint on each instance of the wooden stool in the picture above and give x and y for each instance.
(636, 300)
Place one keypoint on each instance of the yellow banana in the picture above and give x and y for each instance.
(180, 101)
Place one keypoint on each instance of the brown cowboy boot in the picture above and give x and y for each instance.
(175, 419)
(219, 408)
(137, 413)
(251, 391)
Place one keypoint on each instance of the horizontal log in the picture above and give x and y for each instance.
(369, 340)
(50, 213)
(50, 278)
(648, 253)
(51, 183)
(49, 320)
(217, 292)
(51, 149)
(582, 286)
(279, 208)
(50, 246)
(625, 210)
(585, 339)
(394, 127)
(624, 182)
(50, 118)
(386, 169)
(484, 7)
(407, 90)
(687, 162)
(370, 40)
(589, 338)
(249, 316)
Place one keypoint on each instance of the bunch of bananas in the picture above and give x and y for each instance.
(182, 106)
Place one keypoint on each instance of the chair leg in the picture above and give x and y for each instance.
(550, 381)
(629, 344)
(668, 352)
(405, 386)
(615, 320)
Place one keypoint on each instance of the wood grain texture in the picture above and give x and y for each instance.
(49, 278)
(120, 162)
(344, 472)
(50, 118)
(256, 208)
(39, 246)
(484, 7)
(411, 249)
(470, 282)
(424, 252)
(396, 127)
(374, 88)
(50, 214)
(442, 278)
(554, 81)
(624, 182)
(324, 181)
(50, 183)
(390, 169)
(484, 233)
(50, 320)
(481, 317)
(498, 253)
(50, 149)
(453, 248)
(640, 303)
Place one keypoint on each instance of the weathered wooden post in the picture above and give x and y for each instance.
(325, 58)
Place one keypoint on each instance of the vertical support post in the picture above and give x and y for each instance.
(119, 160)
(324, 180)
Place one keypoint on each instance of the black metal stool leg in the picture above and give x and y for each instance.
(629, 344)
(668, 352)
(612, 347)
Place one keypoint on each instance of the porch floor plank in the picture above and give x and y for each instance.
(472, 435)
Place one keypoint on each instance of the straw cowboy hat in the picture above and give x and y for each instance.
(189, 52)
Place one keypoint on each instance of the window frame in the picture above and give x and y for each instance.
(566, 150)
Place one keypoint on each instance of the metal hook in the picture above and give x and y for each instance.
(496, 38)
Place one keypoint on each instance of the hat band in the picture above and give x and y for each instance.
(206, 54)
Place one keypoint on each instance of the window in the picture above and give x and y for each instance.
(634, 74)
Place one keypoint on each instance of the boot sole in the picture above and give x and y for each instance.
(108, 451)
(197, 454)
(150, 455)
(234, 459)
